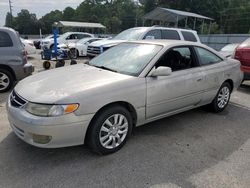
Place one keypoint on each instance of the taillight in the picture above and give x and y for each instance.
(25, 57)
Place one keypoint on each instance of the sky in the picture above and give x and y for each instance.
(39, 7)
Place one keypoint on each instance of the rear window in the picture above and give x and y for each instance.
(170, 34)
(188, 36)
(5, 40)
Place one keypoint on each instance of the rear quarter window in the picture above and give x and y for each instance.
(5, 40)
(170, 34)
(188, 36)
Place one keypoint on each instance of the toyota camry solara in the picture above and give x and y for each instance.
(134, 83)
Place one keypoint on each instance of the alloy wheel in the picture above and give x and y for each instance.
(4, 81)
(113, 131)
(223, 97)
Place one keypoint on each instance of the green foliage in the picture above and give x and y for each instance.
(231, 16)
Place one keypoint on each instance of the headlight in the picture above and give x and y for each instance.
(46, 110)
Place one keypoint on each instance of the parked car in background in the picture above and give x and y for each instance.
(66, 38)
(228, 50)
(143, 33)
(242, 53)
(129, 85)
(37, 43)
(13, 59)
(29, 46)
(79, 48)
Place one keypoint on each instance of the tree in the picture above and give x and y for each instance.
(68, 14)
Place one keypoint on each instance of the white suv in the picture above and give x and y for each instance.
(142, 33)
(66, 38)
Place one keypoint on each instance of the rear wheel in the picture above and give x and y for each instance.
(73, 53)
(6, 80)
(46, 65)
(222, 98)
(110, 130)
(60, 63)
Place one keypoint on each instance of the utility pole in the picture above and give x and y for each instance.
(10, 5)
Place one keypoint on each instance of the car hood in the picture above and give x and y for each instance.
(226, 53)
(66, 83)
(106, 43)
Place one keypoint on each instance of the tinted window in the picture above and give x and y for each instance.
(72, 37)
(179, 58)
(188, 36)
(5, 40)
(153, 34)
(81, 36)
(206, 57)
(170, 34)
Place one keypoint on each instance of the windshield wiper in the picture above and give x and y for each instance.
(106, 68)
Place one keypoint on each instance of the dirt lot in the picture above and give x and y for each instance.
(192, 149)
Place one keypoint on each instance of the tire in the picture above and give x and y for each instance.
(102, 138)
(46, 65)
(222, 98)
(51, 47)
(73, 53)
(6, 80)
(73, 62)
(60, 63)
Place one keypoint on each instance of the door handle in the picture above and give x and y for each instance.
(199, 79)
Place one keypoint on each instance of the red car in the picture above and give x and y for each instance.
(242, 54)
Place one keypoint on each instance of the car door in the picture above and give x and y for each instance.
(183, 89)
(211, 65)
(71, 39)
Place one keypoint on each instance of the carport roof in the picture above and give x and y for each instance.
(170, 15)
(80, 24)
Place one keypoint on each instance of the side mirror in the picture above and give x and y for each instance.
(150, 37)
(161, 71)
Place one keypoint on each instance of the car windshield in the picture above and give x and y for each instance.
(126, 58)
(130, 34)
(230, 47)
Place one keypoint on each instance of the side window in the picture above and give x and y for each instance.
(81, 36)
(178, 58)
(72, 37)
(5, 40)
(188, 36)
(170, 34)
(206, 57)
(153, 34)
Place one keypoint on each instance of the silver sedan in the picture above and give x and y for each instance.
(134, 83)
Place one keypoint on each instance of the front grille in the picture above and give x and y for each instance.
(92, 50)
(16, 100)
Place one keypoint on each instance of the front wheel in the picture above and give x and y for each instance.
(222, 98)
(6, 80)
(110, 130)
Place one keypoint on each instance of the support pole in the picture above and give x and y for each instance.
(186, 22)
(210, 24)
(177, 20)
(202, 27)
(194, 23)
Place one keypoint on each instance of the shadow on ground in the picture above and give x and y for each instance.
(165, 151)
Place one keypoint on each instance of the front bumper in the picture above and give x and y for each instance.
(246, 71)
(67, 130)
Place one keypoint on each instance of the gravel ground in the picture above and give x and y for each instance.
(192, 149)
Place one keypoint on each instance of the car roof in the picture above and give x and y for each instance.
(7, 29)
(171, 43)
(161, 27)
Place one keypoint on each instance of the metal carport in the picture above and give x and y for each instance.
(174, 16)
